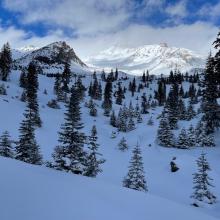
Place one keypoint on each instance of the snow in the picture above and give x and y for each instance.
(155, 58)
(30, 192)
(33, 193)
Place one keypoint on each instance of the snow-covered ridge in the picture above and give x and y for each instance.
(156, 58)
(52, 56)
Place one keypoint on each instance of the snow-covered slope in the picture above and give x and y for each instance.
(50, 58)
(35, 193)
(155, 58)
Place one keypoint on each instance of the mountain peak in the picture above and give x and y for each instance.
(53, 55)
(157, 58)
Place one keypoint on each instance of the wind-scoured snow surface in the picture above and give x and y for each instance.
(37, 193)
(157, 59)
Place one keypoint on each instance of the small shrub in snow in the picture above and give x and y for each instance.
(3, 89)
(53, 104)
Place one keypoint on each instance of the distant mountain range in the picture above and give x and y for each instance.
(157, 59)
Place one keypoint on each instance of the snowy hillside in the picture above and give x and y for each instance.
(157, 59)
(40, 193)
(33, 193)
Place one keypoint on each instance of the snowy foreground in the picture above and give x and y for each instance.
(37, 193)
(33, 193)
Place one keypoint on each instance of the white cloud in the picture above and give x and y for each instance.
(198, 37)
(100, 24)
(178, 10)
(210, 11)
(85, 17)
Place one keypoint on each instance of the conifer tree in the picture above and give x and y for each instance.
(93, 110)
(31, 92)
(5, 61)
(80, 88)
(165, 136)
(119, 95)
(182, 110)
(217, 64)
(203, 139)
(191, 136)
(144, 104)
(183, 139)
(23, 79)
(107, 103)
(139, 118)
(66, 77)
(69, 155)
(122, 120)
(202, 183)
(172, 107)
(135, 178)
(113, 120)
(210, 106)
(131, 124)
(6, 149)
(93, 162)
(190, 111)
(122, 145)
(27, 149)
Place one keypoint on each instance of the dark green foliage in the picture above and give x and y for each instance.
(31, 93)
(23, 79)
(70, 155)
(93, 162)
(210, 106)
(6, 149)
(27, 149)
(107, 103)
(165, 136)
(172, 107)
(5, 61)
(113, 120)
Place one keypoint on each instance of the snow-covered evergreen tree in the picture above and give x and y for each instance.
(107, 103)
(202, 183)
(5, 61)
(183, 139)
(172, 107)
(210, 106)
(191, 136)
(93, 110)
(31, 92)
(72, 157)
(93, 162)
(131, 124)
(113, 120)
(135, 179)
(122, 145)
(27, 149)
(6, 149)
(165, 136)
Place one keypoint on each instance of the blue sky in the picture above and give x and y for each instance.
(93, 25)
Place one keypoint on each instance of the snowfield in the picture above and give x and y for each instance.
(38, 193)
